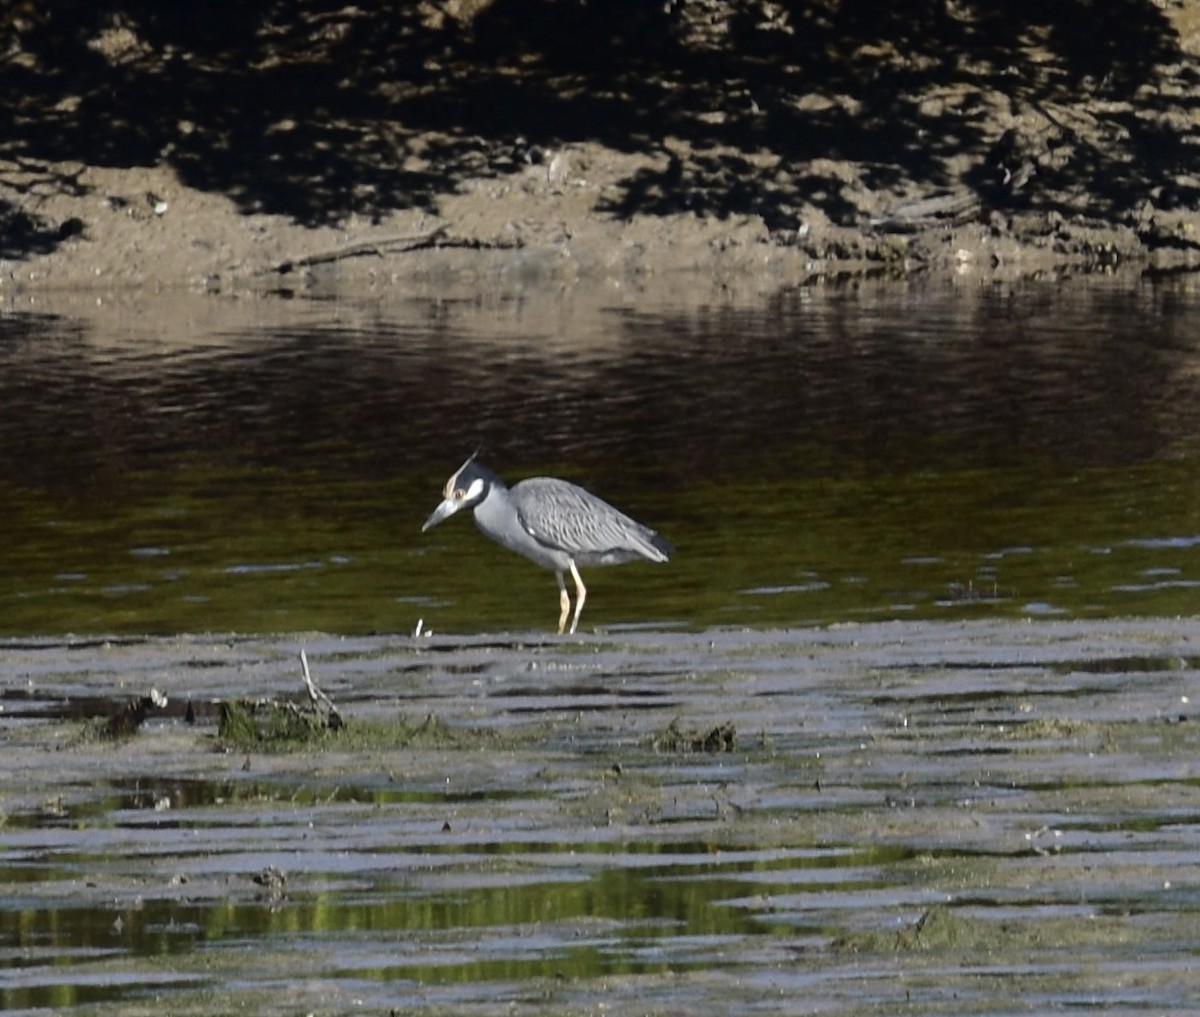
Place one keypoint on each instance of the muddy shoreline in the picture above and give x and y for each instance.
(737, 148)
(142, 228)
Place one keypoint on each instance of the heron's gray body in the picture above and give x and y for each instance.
(554, 523)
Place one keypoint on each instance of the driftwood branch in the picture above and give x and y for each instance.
(380, 247)
(319, 698)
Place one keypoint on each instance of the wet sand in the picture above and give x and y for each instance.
(946, 818)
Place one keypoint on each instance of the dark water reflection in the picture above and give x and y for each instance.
(871, 451)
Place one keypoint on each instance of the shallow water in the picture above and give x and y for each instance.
(927, 817)
(881, 738)
(860, 453)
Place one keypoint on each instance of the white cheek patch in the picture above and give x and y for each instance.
(475, 490)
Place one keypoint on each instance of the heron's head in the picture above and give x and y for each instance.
(465, 489)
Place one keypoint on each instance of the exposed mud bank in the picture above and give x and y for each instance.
(144, 228)
(751, 145)
(900, 817)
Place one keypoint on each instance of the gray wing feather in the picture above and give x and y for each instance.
(562, 515)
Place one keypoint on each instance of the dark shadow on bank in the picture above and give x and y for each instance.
(318, 110)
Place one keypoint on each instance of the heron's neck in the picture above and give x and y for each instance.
(497, 517)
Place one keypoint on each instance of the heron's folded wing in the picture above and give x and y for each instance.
(564, 516)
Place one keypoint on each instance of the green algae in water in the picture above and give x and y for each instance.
(268, 724)
(949, 931)
(675, 738)
(281, 725)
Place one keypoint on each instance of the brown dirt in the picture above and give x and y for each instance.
(1091, 175)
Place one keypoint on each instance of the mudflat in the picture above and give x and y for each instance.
(862, 818)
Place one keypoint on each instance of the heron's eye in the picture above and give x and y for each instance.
(459, 494)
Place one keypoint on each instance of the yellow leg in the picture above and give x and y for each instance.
(564, 602)
(580, 597)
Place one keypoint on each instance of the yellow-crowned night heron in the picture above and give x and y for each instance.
(553, 523)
